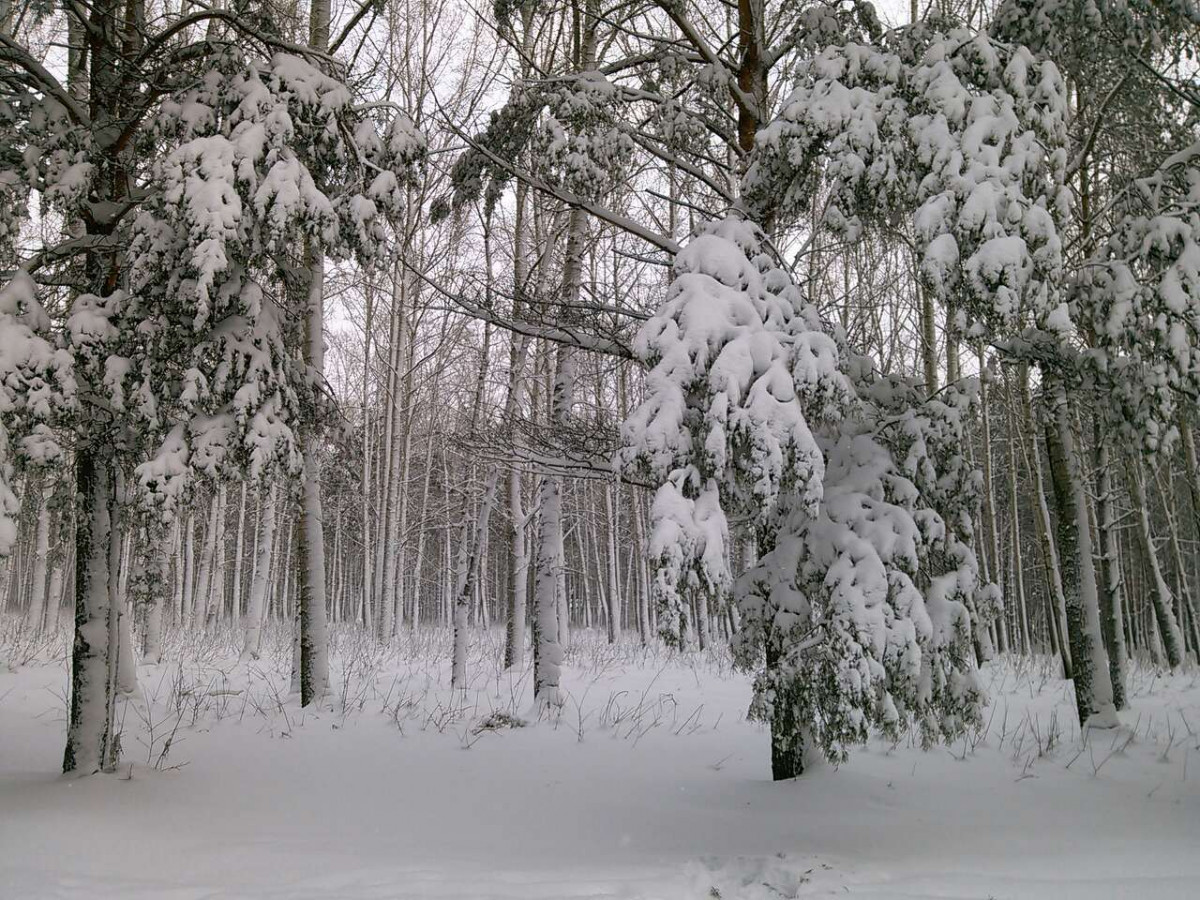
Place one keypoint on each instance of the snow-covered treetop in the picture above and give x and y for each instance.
(189, 346)
(1133, 293)
(1140, 298)
(961, 136)
(738, 369)
(571, 131)
(1054, 28)
(265, 157)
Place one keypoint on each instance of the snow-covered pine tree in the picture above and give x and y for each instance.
(35, 381)
(966, 137)
(855, 496)
(182, 353)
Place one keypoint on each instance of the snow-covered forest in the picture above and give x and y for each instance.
(763, 433)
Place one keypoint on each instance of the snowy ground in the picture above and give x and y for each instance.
(650, 785)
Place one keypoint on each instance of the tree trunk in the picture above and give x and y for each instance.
(547, 651)
(36, 613)
(398, 455)
(1014, 511)
(314, 662)
(159, 565)
(1111, 596)
(256, 606)
(1160, 592)
(991, 532)
(1057, 600)
(614, 589)
(368, 571)
(90, 746)
(205, 611)
(1185, 606)
(238, 553)
(1093, 685)
(643, 570)
(469, 557)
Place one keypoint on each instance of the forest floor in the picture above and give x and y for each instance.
(651, 784)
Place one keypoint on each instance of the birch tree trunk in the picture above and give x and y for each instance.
(1187, 609)
(205, 608)
(121, 637)
(35, 614)
(1160, 593)
(386, 474)
(1111, 599)
(614, 589)
(238, 552)
(54, 598)
(991, 532)
(470, 554)
(560, 589)
(547, 638)
(314, 662)
(518, 562)
(368, 572)
(388, 588)
(643, 569)
(1018, 568)
(518, 559)
(189, 570)
(159, 565)
(256, 606)
(547, 651)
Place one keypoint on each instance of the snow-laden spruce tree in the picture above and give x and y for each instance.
(35, 377)
(187, 182)
(761, 426)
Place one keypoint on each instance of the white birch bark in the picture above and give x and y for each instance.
(388, 589)
(238, 551)
(643, 571)
(205, 612)
(121, 635)
(367, 596)
(188, 598)
(1161, 597)
(547, 654)
(36, 612)
(470, 555)
(1112, 598)
(614, 588)
(419, 562)
(154, 615)
(54, 597)
(256, 606)
(314, 662)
